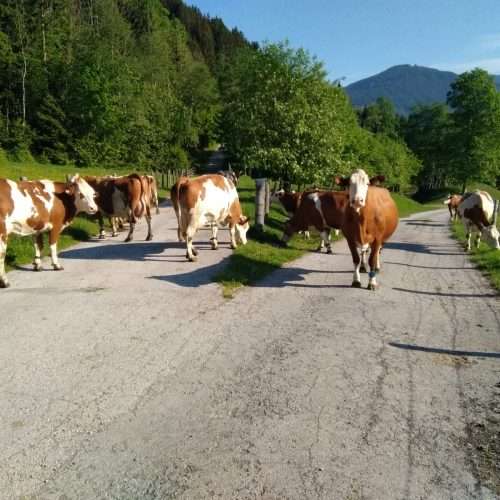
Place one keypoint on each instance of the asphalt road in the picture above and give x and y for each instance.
(128, 376)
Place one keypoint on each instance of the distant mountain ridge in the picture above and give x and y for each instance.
(405, 85)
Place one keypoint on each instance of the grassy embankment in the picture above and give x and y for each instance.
(262, 255)
(486, 259)
(20, 250)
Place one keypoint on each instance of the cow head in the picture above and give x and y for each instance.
(242, 227)
(358, 189)
(491, 236)
(83, 193)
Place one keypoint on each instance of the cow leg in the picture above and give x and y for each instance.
(374, 262)
(213, 239)
(232, 233)
(4, 282)
(364, 261)
(478, 239)
(102, 233)
(113, 222)
(468, 236)
(191, 252)
(53, 237)
(131, 222)
(306, 235)
(38, 244)
(356, 279)
(149, 237)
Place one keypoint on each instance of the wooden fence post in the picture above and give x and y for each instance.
(260, 203)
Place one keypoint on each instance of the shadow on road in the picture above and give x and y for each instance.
(421, 248)
(451, 352)
(138, 251)
(471, 268)
(448, 294)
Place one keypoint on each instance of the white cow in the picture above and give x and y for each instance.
(208, 200)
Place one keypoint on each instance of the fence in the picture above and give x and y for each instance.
(166, 178)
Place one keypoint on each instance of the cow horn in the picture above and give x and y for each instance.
(495, 212)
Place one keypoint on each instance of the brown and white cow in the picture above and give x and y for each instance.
(322, 210)
(366, 215)
(174, 198)
(453, 201)
(370, 219)
(126, 197)
(209, 199)
(35, 207)
(478, 212)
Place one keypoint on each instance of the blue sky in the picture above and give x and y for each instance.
(358, 38)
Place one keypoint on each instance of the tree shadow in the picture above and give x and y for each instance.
(451, 352)
(448, 294)
(424, 223)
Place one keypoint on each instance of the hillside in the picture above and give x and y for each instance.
(405, 85)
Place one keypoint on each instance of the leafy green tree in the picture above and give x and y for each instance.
(281, 117)
(475, 133)
(427, 133)
(380, 118)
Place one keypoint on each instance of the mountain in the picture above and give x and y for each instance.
(405, 85)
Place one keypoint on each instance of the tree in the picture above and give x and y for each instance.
(475, 133)
(427, 133)
(380, 118)
(281, 117)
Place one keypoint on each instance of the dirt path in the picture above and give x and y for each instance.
(128, 376)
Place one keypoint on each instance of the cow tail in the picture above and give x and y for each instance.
(136, 196)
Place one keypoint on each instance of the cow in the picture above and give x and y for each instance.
(453, 201)
(153, 192)
(478, 212)
(323, 210)
(370, 219)
(208, 199)
(35, 207)
(127, 197)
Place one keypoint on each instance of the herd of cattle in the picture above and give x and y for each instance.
(364, 212)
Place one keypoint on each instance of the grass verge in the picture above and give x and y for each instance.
(262, 254)
(486, 259)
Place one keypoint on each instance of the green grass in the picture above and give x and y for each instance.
(486, 259)
(262, 254)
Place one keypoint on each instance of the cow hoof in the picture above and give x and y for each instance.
(356, 284)
(113, 235)
(371, 286)
(102, 236)
(128, 239)
(149, 237)
(233, 247)
(37, 268)
(192, 258)
(215, 246)
(329, 251)
(58, 267)
(4, 284)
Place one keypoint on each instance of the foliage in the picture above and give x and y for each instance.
(475, 131)
(281, 117)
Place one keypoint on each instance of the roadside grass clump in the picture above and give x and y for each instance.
(407, 206)
(486, 259)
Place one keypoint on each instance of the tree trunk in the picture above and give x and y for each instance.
(268, 198)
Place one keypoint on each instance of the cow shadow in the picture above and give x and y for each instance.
(136, 251)
(422, 248)
(199, 276)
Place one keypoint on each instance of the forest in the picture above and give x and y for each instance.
(146, 84)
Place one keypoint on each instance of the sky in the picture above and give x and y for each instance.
(359, 38)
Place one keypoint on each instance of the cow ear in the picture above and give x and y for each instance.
(342, 181)
(378, 179)
(70, 188)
